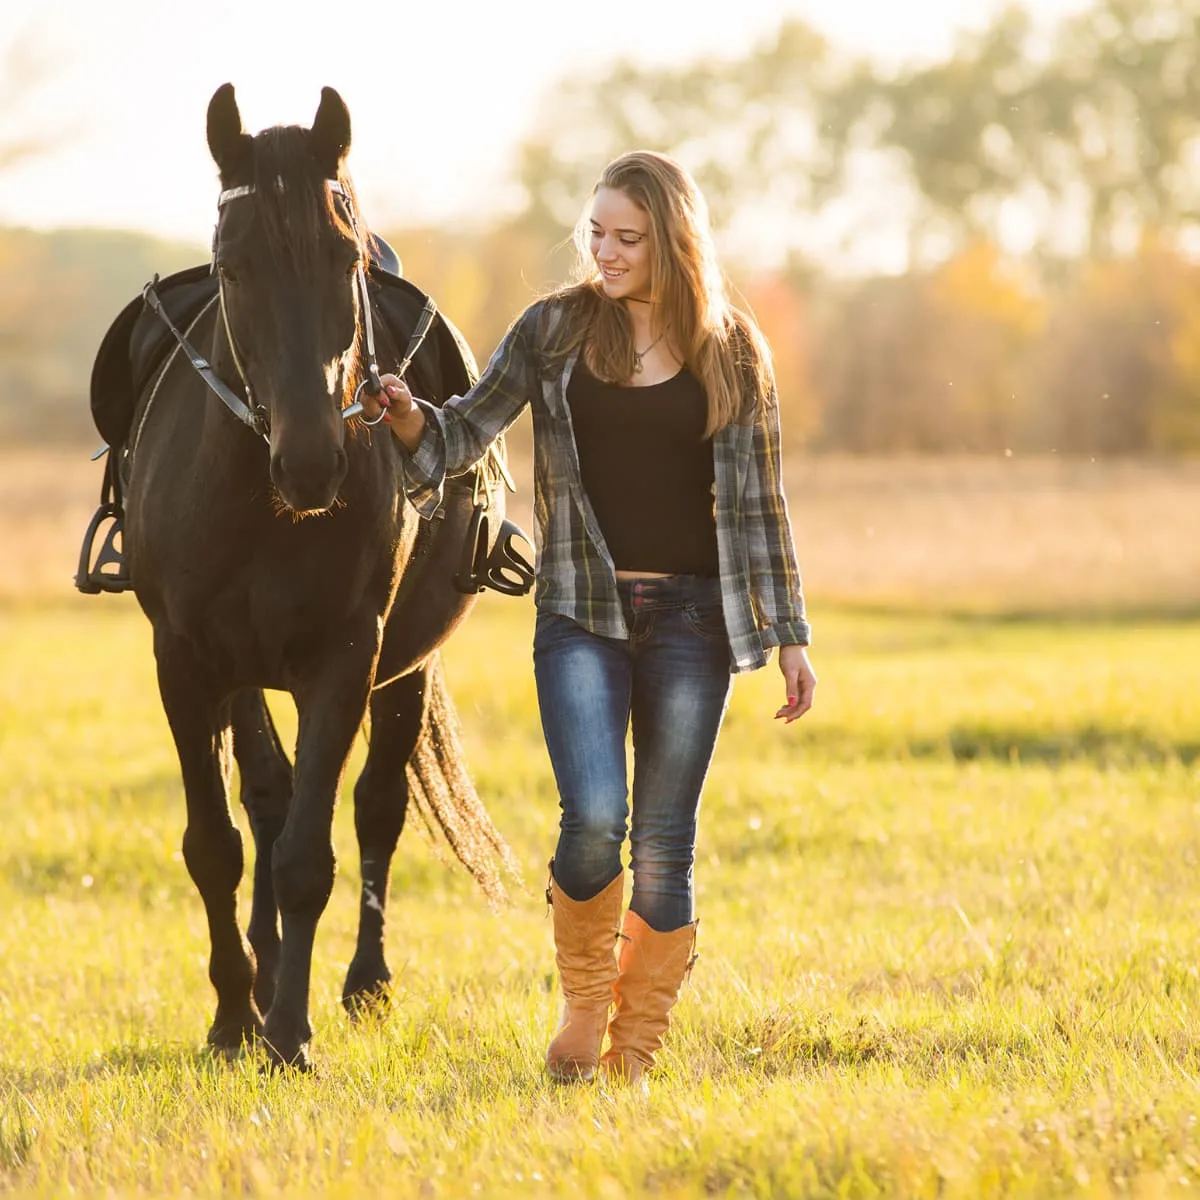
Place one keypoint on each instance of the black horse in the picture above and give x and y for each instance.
(277, 552)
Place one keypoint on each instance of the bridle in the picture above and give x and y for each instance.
(371, 380)
(248, 410)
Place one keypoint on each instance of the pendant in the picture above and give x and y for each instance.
(637, 362)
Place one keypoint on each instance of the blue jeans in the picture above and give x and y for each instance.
(671, 682)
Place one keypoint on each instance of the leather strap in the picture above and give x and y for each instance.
(204, 368)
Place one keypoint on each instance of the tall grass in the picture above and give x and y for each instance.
(948, 940)
(948, 922)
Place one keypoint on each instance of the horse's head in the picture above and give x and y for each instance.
(288, 250)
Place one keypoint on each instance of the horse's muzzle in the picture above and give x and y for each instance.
(308, 480)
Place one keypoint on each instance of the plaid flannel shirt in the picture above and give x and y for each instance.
(761, 592)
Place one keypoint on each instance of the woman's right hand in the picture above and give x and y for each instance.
(406, 419)
(399, 399)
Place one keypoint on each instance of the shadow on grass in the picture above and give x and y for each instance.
(1096, 615)
(785, 1043)
(1091, 743)
(140, 1059)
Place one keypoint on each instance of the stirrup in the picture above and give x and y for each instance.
(91, 578)
(505, 569)
(508, 569)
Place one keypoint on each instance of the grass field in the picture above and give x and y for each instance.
(950, 939)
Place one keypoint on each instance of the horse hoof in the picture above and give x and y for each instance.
(298, 1062)
(368, 1002)
(367, 992)
(287, 1050)
(231, 1038)
(223, 1055)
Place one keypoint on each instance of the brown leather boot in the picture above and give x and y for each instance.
(652, 970)
(585, 936)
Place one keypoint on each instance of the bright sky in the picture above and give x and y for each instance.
(440, 91)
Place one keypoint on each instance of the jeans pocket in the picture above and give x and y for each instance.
(551, 630)
(706, 619)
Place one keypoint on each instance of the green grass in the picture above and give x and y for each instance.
(950, 940)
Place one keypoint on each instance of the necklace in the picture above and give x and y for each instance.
(638, 355)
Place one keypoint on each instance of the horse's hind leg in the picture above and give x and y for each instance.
(212, 844)
(266, 778)
(380, 805)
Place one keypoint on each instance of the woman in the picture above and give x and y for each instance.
(665, 563)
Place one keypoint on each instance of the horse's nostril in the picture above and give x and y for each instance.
(279, 469)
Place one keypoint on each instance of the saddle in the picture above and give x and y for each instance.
(135, 349)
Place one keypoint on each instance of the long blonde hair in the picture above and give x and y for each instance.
(721, 345)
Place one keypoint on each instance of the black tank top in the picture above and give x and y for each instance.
(648, 470)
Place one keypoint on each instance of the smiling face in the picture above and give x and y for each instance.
(620, 244)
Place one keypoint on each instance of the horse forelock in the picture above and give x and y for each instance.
(294, 203)
(294, 210)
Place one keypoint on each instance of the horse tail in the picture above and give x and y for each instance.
(445, 797)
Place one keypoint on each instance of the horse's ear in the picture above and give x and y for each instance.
(331, 132)
(227, 140)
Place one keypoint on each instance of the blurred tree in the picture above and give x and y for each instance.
(1086, 138)
(58, 293)
(1132, 71)
(1176, 423)
(968, 129)
(482, 278)
(753, 130)
(930, 361)
(877, 345)
(1067, 146)
(1094, 136)
(781, 306)
(1116, 373)
(990, 316)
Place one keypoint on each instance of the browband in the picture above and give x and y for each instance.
(247, 189)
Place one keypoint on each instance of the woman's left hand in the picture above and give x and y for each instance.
(800, 680)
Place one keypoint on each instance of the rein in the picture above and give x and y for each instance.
(255, 417)
(250, 413)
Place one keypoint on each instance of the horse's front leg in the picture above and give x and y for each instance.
(380, 805)
(198, 714)
(266, 775)
(331, 700)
